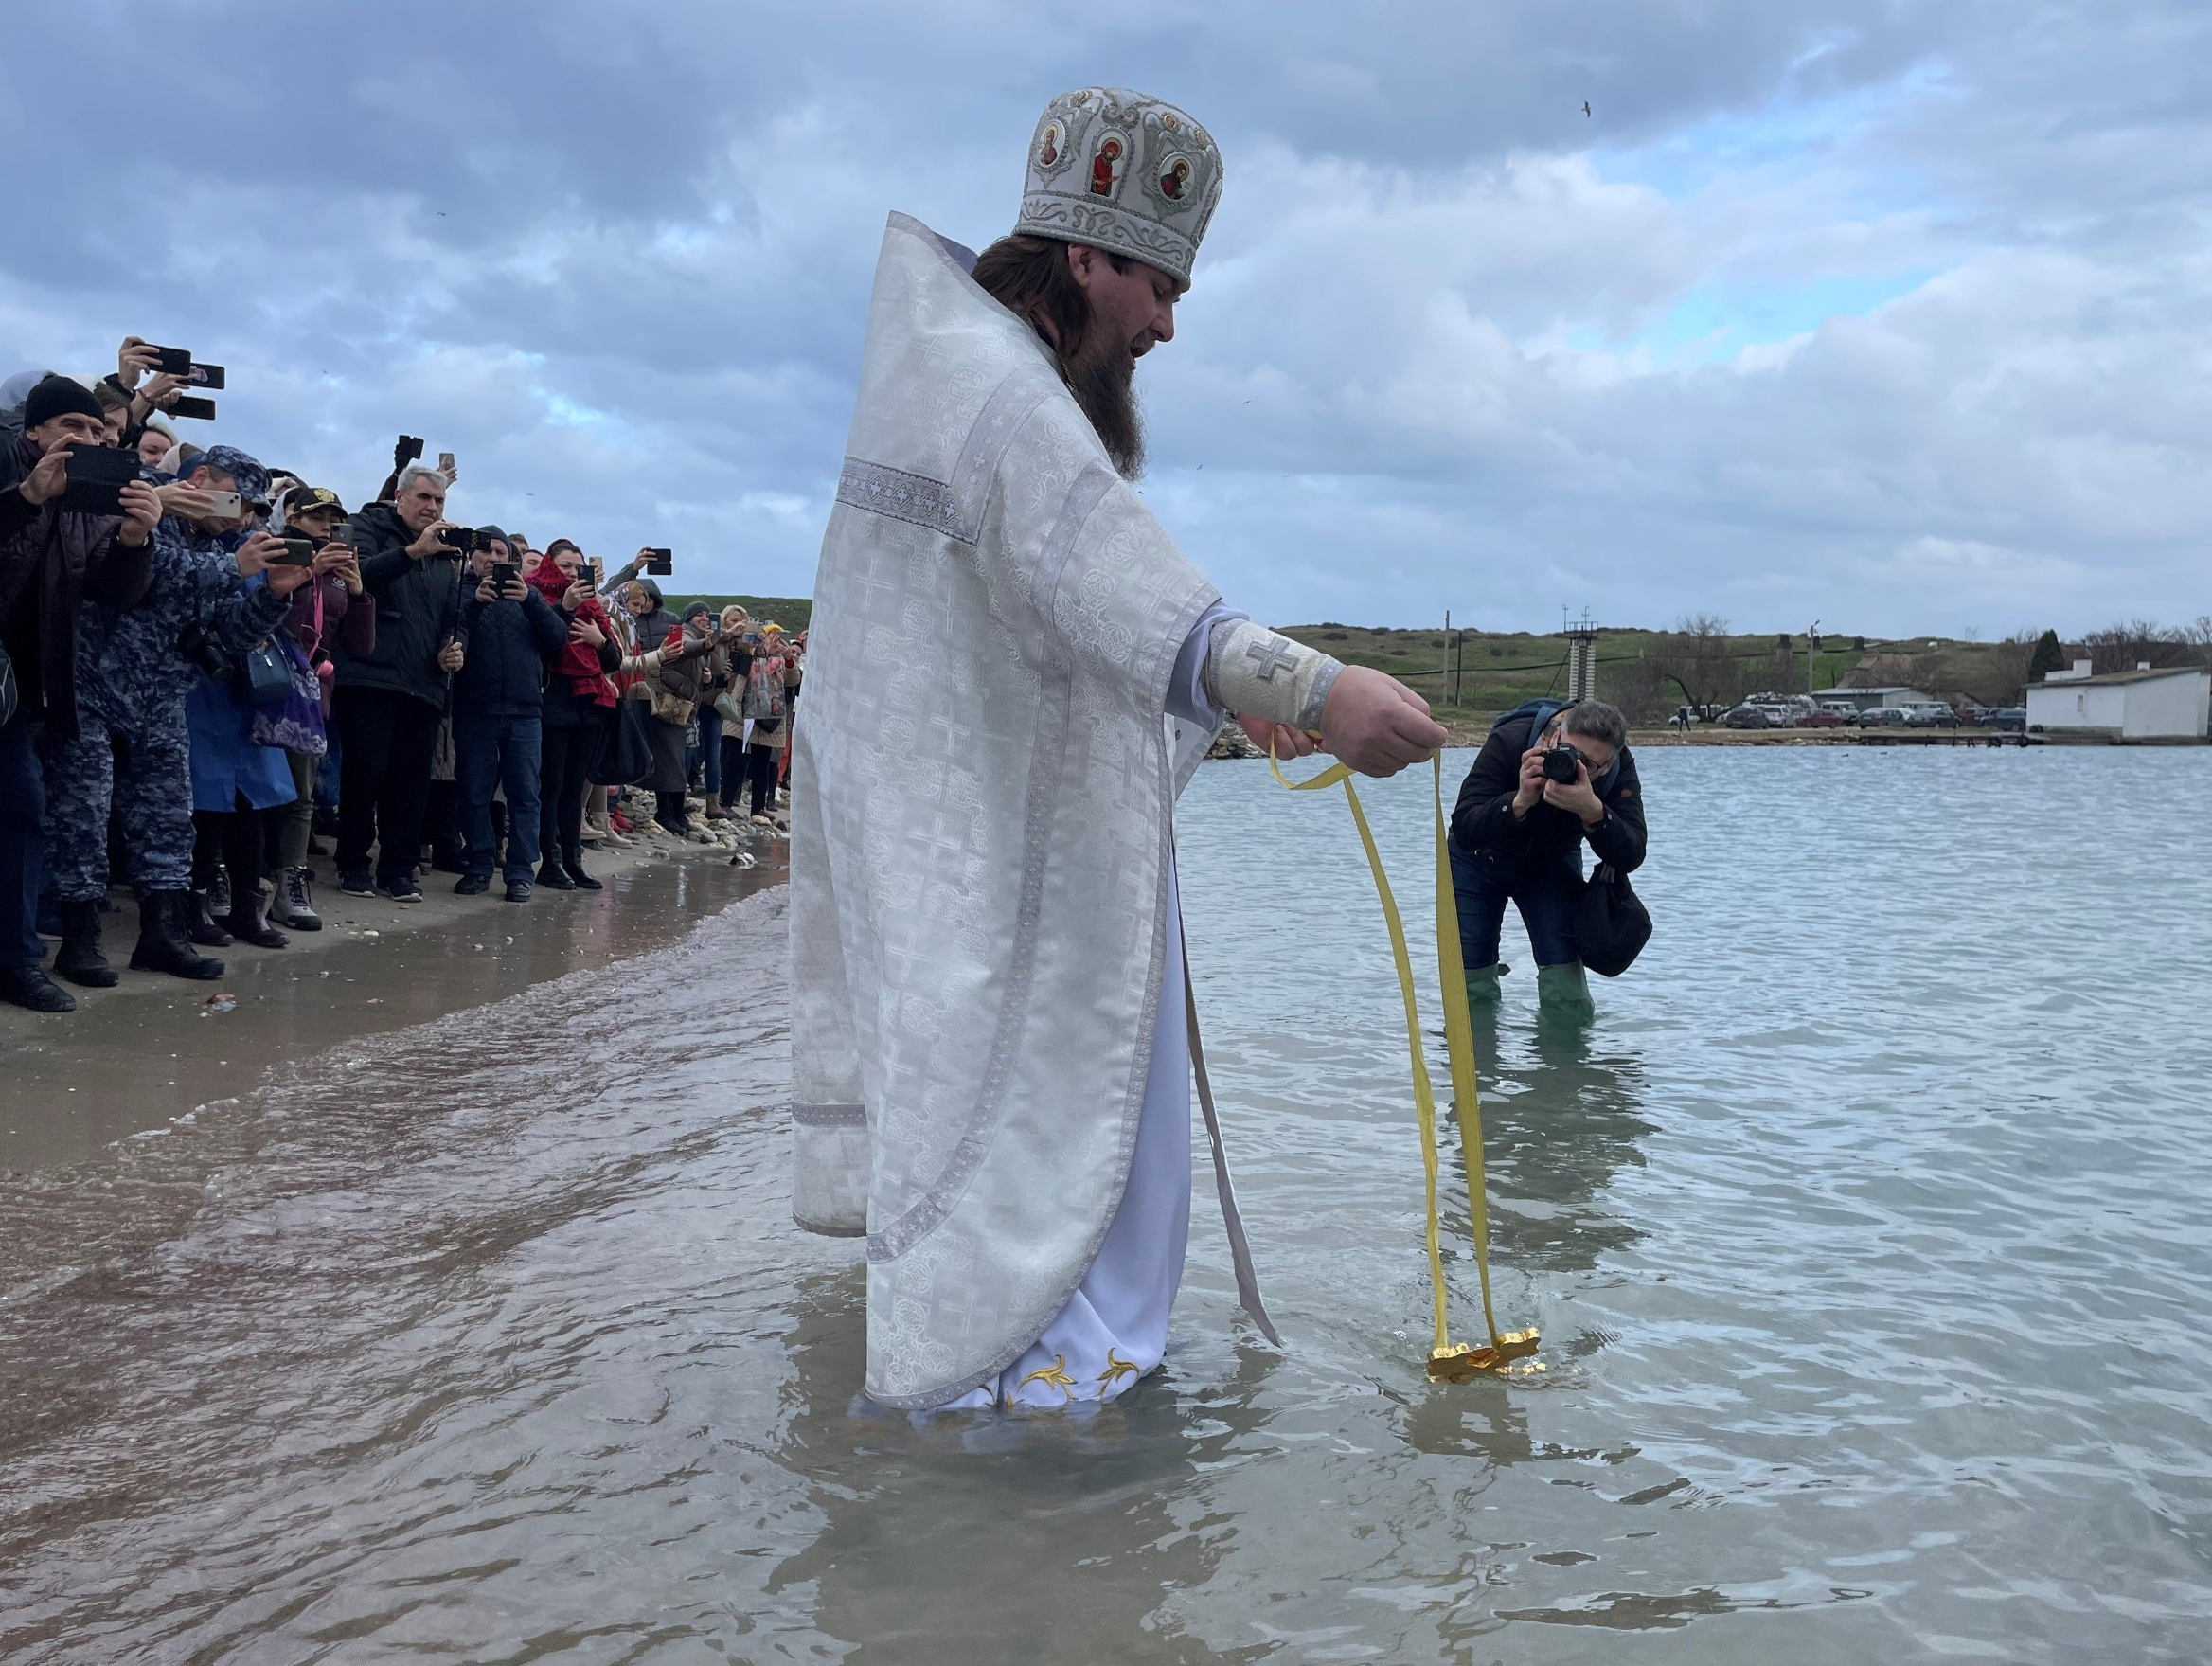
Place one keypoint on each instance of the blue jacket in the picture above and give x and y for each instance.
(227, 764)
(506, 646)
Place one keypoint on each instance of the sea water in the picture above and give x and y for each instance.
(1866, 1228)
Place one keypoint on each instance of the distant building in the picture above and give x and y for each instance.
(2139, 705)
(1849, 700)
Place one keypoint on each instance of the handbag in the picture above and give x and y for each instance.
(295, 723)
(625, 748)
(673, 709)
(731, 708)
(1611, 926)
(263, 677)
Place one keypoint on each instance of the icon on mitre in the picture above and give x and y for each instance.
(1107, 162)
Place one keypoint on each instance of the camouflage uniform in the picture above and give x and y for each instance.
(131, 749)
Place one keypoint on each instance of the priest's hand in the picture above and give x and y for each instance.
(1287, 739)
(1376, 724)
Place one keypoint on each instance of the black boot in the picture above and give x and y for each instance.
(554, 877)
(200, 916)
(248, 920)
(26, 986)
(573, 864)
(163, 945)
(79, 958)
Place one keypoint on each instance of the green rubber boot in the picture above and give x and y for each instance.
(1482, 987)
(1563, 992)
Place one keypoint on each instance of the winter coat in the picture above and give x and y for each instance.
(417, 611)
(1547, 841)
(505, 648)
(130, 666)
(51, 560)
(227, 763)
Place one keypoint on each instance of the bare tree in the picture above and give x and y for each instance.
(2123, 647)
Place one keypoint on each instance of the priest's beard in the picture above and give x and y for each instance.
(1105, 387)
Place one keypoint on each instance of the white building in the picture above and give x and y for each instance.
(2139, 705)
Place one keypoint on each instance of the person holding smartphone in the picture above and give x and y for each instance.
(333, 608)
(52, 559)
(387, 703)
(498, 697)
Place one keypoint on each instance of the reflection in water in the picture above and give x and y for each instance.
(1561, 1120)
(1080, 1524)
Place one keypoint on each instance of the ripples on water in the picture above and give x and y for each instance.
(1864, 1228)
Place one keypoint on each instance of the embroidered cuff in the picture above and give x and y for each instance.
(1256, 672)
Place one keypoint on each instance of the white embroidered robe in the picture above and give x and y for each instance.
(980, 820)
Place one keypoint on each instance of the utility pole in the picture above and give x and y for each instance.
(1444, 665)
(1812, 647)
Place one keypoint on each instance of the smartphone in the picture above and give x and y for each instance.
(297, 552)
(208, 376)
(660, 562)
(461, 540)
(599, 573)
(96, 476)
(200, 409)
(225, 506)
(445, 462)
(505, 573)
(344, 533)
(408, 449)
(173, 361)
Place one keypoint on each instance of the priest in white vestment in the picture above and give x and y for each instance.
(1011, 672)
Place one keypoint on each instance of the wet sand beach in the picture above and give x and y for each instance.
(153, 1048)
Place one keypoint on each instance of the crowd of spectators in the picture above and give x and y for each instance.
(209, 668)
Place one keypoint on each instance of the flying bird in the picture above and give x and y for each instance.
(1585, 107)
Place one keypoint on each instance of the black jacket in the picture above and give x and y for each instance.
(1527, 850)
(505, 647)
(417, 611)
(51, 560)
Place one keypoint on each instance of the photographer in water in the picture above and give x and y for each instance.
(1550, 777)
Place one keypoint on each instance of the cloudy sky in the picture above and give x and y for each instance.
(1898, 315)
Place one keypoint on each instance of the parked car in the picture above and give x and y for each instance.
(2006, 717)
(1749, 717)
(1932, 717)
(1882, 717)
(1820, 718)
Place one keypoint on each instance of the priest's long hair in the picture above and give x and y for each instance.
(1028, 276)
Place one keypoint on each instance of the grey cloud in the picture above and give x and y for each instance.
(617, 257)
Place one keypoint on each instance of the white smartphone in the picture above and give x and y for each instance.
(225, 506)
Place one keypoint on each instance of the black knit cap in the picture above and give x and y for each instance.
(58, 396)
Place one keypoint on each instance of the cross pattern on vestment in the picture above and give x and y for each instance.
(1270, 657)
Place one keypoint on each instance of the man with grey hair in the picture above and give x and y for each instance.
(1552, 776)
(387, 703)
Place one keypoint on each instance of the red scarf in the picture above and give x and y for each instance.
(576, 661)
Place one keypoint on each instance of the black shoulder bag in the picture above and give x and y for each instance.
(1611, 926)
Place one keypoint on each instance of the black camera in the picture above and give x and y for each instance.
(1561, 764)
(203, 649)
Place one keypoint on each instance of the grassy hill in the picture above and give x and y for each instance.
(1646, 671)
(790, 612)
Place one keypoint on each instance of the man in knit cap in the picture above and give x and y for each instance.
(52, 558)
(1012, 670)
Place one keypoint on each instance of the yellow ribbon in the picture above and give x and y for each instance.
(1447, 1359)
